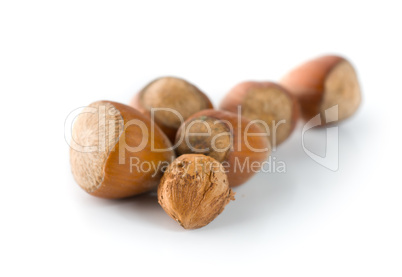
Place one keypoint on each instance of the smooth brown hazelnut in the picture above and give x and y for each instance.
(322, 83)
(238, 143)
(173, 100)
(115, 153)
(268, 102)
(194, 190)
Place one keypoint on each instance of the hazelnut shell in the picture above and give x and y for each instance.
(240, 152)
(171, 92)
(274, 103)
(107, 172)
(194, 190)
(322, 83)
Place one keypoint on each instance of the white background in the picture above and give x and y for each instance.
(56, 56)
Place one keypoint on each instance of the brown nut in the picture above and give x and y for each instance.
(194, 190)
(238, 143)
(170, 95)
(322, 83)
(268, 102)
(110, 143)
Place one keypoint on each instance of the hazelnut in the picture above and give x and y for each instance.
(238, 143)
(174, 100)
(106, 138)
(322, 83)
(265, 101)
(194, 190)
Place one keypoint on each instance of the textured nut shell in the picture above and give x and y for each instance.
(284, 107)
(241, 153)
(169, 130)
(308, 82)
(215, 145)
(118, 179)
(194, 190)
(92, 140)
